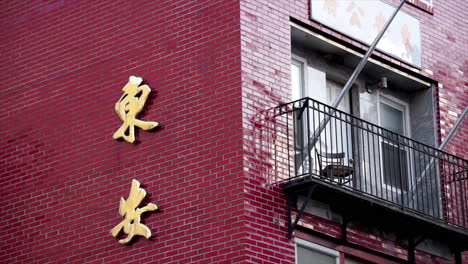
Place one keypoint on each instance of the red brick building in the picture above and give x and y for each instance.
(233, 160)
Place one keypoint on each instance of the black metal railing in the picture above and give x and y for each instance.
(315, 141)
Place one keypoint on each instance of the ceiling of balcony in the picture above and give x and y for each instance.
(397, 78)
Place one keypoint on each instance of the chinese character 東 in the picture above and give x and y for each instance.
(129, 209)
(130, 104)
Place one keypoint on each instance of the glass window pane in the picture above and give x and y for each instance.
(392, 119)
(395, 166)
(310, 256)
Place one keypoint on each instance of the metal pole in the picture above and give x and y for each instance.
(433, 161)
(352, 79)
(454, 128)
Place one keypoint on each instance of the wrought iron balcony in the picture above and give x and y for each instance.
(316, 143)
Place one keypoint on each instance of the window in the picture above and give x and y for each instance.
(395, 173)
(310, 253)
(393, 116)
(300, 136)
(429, 2)
(308, 81)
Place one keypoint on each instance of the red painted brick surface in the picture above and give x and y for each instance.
(64, 64)
(215, 67)
(265, 29)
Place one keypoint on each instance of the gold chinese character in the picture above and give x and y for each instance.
(406, 38)
(355, 20)
(130, 104)
(331, 6)
(129, 209)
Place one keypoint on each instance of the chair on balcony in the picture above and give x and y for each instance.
(331, 165)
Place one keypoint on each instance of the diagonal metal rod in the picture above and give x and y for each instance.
(292, 226)
(454, 128)
(313, 140)
(433, 162)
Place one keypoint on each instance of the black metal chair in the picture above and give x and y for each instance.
(331, 165)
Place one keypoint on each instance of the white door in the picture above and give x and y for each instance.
(336, 137)
(339, 140)
(393, 115)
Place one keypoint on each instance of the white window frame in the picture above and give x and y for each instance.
(318, 248)
(325, 95)
(404, 107)
(396, 103)
(302, 64)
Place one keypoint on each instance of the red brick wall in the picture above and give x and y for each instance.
(265, 30)
(64, 64)
(265, 83)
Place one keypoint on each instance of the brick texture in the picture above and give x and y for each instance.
(64, 64)
(265, 31)
(215, 68)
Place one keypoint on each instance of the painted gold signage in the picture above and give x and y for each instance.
(129, 106)
(363, 20)
(129, 209)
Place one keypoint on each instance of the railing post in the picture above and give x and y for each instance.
(401, 173)
(463, 211)
(288, 136)
(418, 160)
(308, 136)
(411, 253)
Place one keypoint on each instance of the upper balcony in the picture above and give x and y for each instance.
(364, 170)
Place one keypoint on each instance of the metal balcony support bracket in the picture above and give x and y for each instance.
(344, 228)
(412, 244)
(290, 197)
(458, 257)
(303, 108)
(458, 250)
